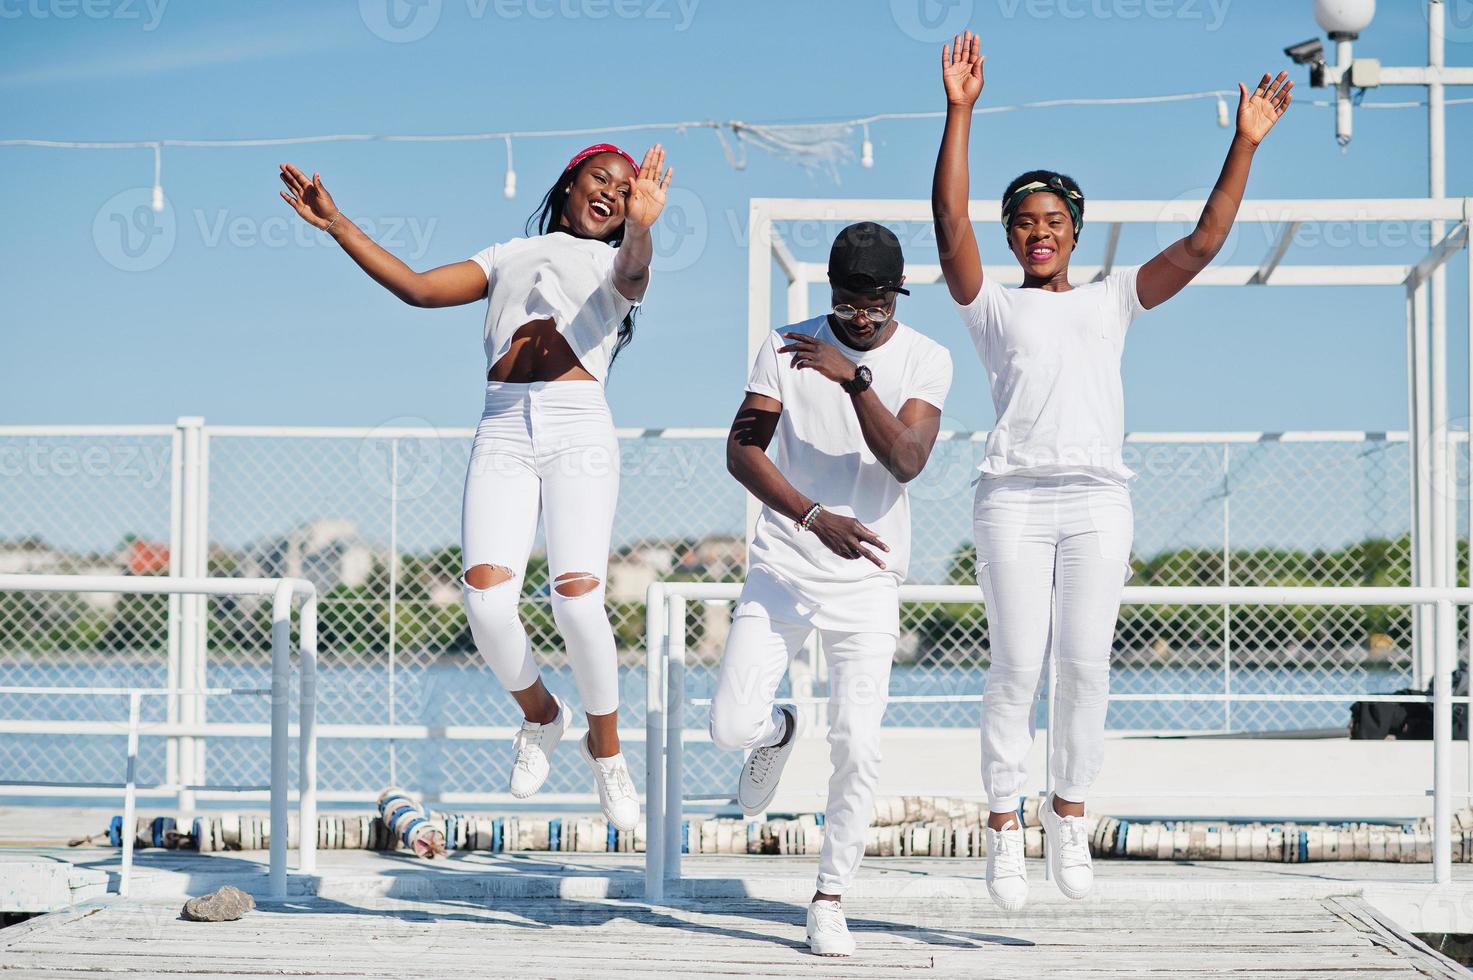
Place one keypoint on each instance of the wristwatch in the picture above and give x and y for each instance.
(862, 379)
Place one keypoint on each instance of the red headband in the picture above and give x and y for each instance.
(595, 150)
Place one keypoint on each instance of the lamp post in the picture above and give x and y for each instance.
(1434, 559)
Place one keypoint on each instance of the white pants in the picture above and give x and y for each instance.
(743, 717)
(1052, 557)
(548, 446)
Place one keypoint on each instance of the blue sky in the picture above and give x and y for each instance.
(244, 319)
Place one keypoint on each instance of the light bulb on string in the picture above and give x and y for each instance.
(509, 190)
(157, 200)
(1222, 113)
(867, 151)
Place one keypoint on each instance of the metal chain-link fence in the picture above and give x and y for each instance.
(372, 518)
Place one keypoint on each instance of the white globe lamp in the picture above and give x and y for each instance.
(1343, 20)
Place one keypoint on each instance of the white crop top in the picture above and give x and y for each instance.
(554, 277)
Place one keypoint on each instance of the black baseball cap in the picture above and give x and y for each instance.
(866, 258)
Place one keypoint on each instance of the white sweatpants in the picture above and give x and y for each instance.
(546, 446)
(743, 716)
(1052, 557)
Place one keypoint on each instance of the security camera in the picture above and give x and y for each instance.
(1307, 52)
(1311, 53)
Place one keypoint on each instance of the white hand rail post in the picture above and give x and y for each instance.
(130, 795)
(654, 743)
(191, 607)
(1442, 743)
(674, 733)
(175, 637)
(1050, 675)
(307, 735)
(281, 631)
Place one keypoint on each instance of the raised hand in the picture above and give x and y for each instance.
(961, 69)
(307, 197)
(1257, 113)
(647, 189)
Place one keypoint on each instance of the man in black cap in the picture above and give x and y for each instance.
(854, 397)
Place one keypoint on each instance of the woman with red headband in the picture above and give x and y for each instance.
(560, 307)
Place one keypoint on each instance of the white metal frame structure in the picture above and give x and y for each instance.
(665, 639)
(1434, 552)
(282, 592)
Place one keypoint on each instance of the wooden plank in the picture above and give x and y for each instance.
(1387, 932)
(616, 939)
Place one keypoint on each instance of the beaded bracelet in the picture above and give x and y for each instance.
(806, 521)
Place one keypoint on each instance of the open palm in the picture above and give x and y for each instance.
(308, 197)
(647, 190)
(1257, 113)
(961, 68)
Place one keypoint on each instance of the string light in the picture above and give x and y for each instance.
(158, 187)
(817, 144)
(510, 190)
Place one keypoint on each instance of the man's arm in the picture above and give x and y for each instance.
(747, 460)
(902, 443)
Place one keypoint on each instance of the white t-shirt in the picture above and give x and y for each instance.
(822, 453)
(1053, 361)
(556, 277)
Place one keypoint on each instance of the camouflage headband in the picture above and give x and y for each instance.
(1054, 185)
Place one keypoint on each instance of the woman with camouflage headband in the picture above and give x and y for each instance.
(1052, 519)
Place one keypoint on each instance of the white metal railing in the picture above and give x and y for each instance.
(200, 465)
(282, 591)
(665, 639)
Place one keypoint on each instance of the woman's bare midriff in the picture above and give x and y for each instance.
(538, 353)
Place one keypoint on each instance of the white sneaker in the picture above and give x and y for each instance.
(535, 744)
(1007, 878)
(615, 789)
(1066, 846)
(763, 769)
(828, 933)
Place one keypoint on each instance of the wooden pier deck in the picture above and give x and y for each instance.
(571, 915)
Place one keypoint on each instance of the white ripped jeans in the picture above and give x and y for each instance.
(1052, 556)
(547, 446)
(758, 651)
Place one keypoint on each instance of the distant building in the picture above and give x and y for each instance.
(146, 558)
(327, 553)
(716, 558)
(32, 556)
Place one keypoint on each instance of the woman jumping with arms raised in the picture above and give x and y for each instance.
(560, 307)
(1052, 520)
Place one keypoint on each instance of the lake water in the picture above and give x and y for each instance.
(465, 693)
